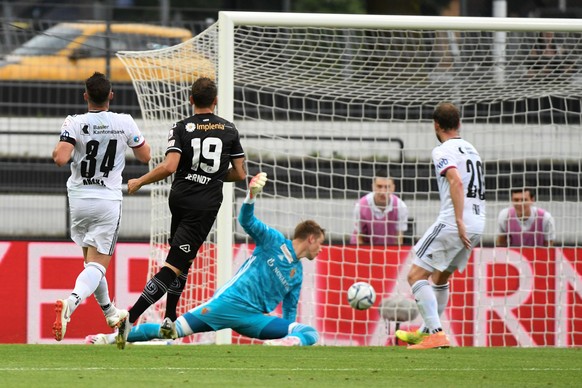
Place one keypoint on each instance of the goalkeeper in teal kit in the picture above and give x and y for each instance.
(273, 274)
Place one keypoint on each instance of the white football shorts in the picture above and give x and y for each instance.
(441, 248)
(95, 222)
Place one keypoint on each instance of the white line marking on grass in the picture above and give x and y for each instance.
(213, 369)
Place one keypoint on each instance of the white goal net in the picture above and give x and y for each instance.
(322, 102)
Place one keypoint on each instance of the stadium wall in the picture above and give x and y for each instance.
(34, 215)
(36, 137)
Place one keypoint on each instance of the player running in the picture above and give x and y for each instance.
(446, 245)
(97, 140)
(271, 275)
(203, 151)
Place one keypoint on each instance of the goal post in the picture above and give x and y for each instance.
(323, 101)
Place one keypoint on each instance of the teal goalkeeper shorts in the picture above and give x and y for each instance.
(220, 315)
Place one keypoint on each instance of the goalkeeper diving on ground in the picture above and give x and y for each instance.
(271, 275)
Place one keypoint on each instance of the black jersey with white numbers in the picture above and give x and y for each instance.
(207, 143)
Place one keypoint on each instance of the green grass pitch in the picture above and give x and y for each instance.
(260, 366)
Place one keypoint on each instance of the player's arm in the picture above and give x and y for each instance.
(62, 152)
(550, 229)
(237, 171)
(501, 240)
(403, 220)
(161, 171)
(458, 197)
(254, 227)
(142, 152)
(358, 224)
(135, 140)
(289, 306)
(400, 237)
(66, 145)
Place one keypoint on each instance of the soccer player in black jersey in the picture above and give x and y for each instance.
(203, 151)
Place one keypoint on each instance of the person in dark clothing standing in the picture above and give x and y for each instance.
(203, 151)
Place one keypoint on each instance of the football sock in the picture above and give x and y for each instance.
(144, 332)
(427, 304)
(102, 296)
(307, 334)
(154, 289)
(174, 293)
(86, 284)
(441, 293)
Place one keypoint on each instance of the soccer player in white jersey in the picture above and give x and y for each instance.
(271, 275)
(97, 141)
(446, 246)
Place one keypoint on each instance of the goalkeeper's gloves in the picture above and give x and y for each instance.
(257, 184)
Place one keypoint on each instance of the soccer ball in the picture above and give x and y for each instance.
(361, 296)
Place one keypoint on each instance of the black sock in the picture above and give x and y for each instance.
(174, 293)
(154, 289)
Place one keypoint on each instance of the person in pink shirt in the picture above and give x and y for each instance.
(381, 218)
(523, 224)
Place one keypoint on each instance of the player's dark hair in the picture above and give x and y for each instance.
(531, 191)
(447, 116)
(204, 92)
(307, 228)
(381, 173)
(98, 88)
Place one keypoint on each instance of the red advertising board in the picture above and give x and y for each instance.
(505, 297)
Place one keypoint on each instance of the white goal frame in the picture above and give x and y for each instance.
(227, 21)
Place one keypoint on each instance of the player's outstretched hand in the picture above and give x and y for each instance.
(133, 186)
(257, 184)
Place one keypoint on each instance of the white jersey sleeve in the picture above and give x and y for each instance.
(100, 140)
(460, 154)
(502, 221)
(402, 216)
(549, 226)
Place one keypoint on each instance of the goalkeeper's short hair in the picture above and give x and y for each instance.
(306, 228)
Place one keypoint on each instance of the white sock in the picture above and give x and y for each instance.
(102, 296)
(427, 304)
(86, 284)
(441, 293)
(111, 338)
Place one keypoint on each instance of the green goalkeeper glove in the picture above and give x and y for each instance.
(257, 184)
